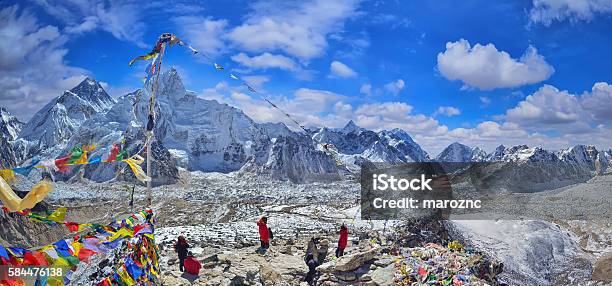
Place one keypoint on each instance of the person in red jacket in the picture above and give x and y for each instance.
(342, 242)
(264, 235)
(192, 265)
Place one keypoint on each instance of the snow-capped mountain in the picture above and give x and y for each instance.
(205, 135)
(457, 152)
(357, 144)
(409, 150)
(9, 125)
(7, 155)
(199, 135)
(61, 118)
(585, 155)
(521, 153)
(9, 129)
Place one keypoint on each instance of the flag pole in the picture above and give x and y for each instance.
(152, 136)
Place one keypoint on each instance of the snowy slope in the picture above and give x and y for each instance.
(61, 118)
(457, 152)
(533, 252)
(9, 129)
(9, 125)
(356, 144)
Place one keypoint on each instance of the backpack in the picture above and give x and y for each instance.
(270, 233)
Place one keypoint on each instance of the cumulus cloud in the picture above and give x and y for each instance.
(265, 61)
(551, 109)
(299, 29)
(339, 69)
(395, 86)
(598, 102)
(546, 12)
(36, 71)
(486, 67)
(206, 34)
(447, 111)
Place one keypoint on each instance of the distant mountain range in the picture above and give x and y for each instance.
(204, 135)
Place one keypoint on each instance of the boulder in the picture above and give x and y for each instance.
(268, 275)
(384, 276)
(603, 269)
(349, 262)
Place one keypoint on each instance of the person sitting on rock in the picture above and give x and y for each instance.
(180, 247)
(192, 265)
(264, 235)
(343, 241)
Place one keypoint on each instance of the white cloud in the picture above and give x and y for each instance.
(339, 69)
(366, 89)
(487, 68)
(447, 111)
(119, 18)
(395, 86)
(204, 34)
(547, 108)
(551, 109)
(545, 12)
(265, 61)
(296, 28)
(34, 73)
(598, 102)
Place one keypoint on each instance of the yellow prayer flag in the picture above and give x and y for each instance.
(58, 215)
(125, 276)
(134, 163)
(8, 175)
(82, 160)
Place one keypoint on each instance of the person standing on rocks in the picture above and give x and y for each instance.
(343, 241)
(311, 276)
(264, 235)
(181, 248)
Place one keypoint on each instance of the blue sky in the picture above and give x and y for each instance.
(482, 73)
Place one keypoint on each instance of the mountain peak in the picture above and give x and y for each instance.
(350, 127)
(90, 90)
(9, 125)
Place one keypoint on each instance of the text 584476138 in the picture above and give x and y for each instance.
(29, 272)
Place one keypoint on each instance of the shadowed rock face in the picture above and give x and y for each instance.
(16, 230)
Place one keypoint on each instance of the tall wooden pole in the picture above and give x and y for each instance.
(152, 135)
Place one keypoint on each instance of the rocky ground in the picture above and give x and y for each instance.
(217, 213)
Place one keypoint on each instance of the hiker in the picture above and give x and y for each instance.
(192, 265)
(323, 250)
(180, 247)
(312, 269)
(311, 248)
(264, 234)
(342, 242)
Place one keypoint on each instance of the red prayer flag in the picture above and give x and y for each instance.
(113, 153)
(72, 226)
(105, 282)
(85, 253)
(34, 258)
(61, 163)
